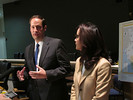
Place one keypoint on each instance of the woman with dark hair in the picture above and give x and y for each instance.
(92, 76)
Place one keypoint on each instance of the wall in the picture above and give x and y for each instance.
(2, 33)
(62, 18)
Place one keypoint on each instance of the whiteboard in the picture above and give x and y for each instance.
(125, 70)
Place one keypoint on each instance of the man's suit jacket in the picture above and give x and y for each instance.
(54, 60)
(94, 84)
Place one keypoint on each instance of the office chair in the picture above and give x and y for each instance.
(117, 92)
(5, 70)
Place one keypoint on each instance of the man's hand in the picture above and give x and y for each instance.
(3, 97)
(20, 74)
(41, 74)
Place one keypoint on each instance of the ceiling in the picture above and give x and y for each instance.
(6, 1)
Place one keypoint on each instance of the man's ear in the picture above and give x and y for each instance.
(45, 27)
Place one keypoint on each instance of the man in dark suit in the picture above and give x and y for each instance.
(46, 73)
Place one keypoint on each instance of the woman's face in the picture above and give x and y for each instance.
(77, 41)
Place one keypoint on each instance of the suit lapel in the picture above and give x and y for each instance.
(31, 54)
(79, 73)
(45, 48)
(86, 73)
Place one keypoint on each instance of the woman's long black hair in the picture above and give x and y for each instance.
(92, 42)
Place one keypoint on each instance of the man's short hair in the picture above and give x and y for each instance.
(40, 17)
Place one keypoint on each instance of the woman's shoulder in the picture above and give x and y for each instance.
(78, 59)
(77, 63)
(103, 61)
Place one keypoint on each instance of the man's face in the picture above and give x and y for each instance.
(36, 29)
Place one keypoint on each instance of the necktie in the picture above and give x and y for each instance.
(36, 53)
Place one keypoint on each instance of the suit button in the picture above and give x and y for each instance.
(80, 89)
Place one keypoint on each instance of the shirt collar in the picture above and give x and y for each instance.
(40, 43)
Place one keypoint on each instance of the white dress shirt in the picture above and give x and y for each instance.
(39, 52)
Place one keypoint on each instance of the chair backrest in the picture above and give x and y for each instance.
(117, 83)
(4, 73)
